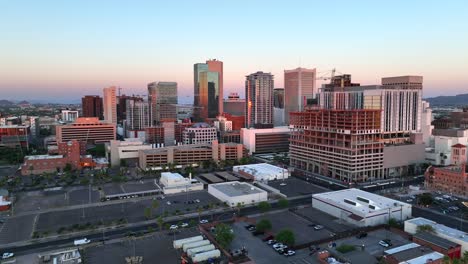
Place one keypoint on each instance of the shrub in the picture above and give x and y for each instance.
(344, 248)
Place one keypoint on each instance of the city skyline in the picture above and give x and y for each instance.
(98, 45)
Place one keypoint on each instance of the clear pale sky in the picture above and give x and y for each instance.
(61, 50)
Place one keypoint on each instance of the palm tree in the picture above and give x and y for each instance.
(154, 205)
(199, 210)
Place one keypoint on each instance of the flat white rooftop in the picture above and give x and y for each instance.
(40, 157)
(401, 248)
(359, 201)
(261, 169)
(441, 229)
(234, 189)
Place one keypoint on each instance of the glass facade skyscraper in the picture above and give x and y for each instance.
(208, 94)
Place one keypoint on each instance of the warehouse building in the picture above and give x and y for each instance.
(451, 234)
(233, 193)
(176, 183)
(361, 208)
(262, 171)
(412, 254)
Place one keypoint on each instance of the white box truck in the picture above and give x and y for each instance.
(194, 251)
(179, 243)
(195, 244)
(80, 242)
(206, 255)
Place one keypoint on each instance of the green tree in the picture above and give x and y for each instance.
(392, 222)
(224, 235)
(68, 167)
(148, 213)
(283, 203)
(154, 205)
(192, 223)
(199, 211)
(264, 206)
(239, 206)
(263, 225)
(425, 199)
(425, 228)
(286, 236)
(160, 222)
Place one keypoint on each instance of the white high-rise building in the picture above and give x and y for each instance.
(400, 99)
(299, 87)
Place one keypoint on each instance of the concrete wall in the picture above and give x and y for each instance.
(403, 155)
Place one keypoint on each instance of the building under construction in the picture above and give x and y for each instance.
(342, 144)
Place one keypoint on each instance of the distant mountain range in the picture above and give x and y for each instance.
(455, 100)
(6, 103)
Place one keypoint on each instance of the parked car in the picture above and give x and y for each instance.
(409, 200)
(168, 203)
(184, 225)
(257, 233)
(361, 235)
(248, 226)
(252, 229)
(173, 227)
(271, 242)
(7, 255)
(289, 253)
(203, 221)
(278, 246)
(318, 227)
(385, 243)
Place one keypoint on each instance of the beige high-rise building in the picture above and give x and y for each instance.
(110, 104)
(259, 98)
(162, 97)
(299, 86)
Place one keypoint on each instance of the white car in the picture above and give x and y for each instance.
(7, 255)
(83, 241)
(168, 203)
(173, 227)
(283, 184)
(384, 243)
(184, 225)
(289, 253)
(318, 227)
(278, 246)
(203, 221)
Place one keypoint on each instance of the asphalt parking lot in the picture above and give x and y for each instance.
(295, 187)
(262, 253)
(372, 249)
(154, 248)
(16, 228)
(301, 227)
(131, 210)
(320, 218)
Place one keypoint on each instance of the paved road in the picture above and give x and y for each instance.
(447, 220)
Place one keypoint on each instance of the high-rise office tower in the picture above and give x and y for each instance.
(299, 87)
(110, 104)
(91, 106)
(122, 105)
(399, 98)
(278, 107)
(259, 98)
(138, 114)
(217, 66)
(162, 97)
(208, 89)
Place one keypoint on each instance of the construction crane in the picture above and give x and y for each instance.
(327, 75)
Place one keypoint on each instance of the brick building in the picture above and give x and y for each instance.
(14, 135)
(69, 153)
(439, 244)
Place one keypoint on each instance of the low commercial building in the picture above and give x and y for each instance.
(70, 152)
(266, 140)
(199, 133)
(88, 129)
(234, 193)
(412, 254)
(451, 234)
(14, 135)
(439, 244)
(452, 178)
(125, 150)
(176, 183)
(190, 154)
(262, 171)
(361, 208)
